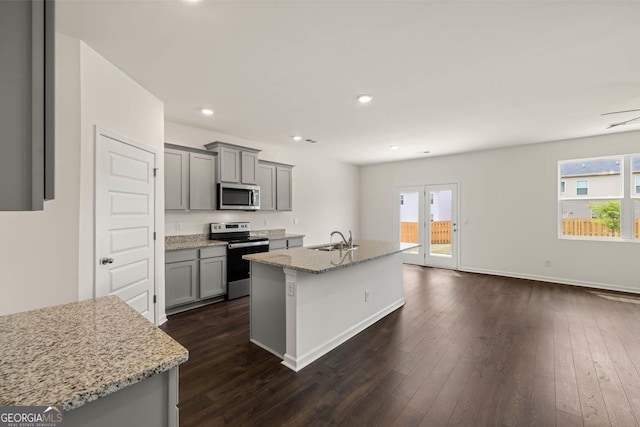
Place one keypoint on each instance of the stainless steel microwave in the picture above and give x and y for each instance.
(238, 197)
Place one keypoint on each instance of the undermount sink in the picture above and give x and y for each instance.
(334, 247)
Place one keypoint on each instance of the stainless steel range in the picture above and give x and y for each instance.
(240, 242)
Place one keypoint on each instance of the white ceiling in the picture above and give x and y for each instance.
(446, 77)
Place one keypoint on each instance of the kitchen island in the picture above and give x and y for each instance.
(306, 302)
(98, 360)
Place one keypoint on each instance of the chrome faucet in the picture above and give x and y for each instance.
(349, 242)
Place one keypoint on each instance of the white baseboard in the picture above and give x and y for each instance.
(584, 284)
(162, 320)
(298, 363)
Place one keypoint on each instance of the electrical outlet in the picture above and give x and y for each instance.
(366, 295)
(266, 221)
(290, 288)
(178, 226)
(547, 263)
(295, 221)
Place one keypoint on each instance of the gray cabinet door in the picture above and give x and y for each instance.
(277, 244)
(229, 159)
(249, 167)
(294, 242)
(26, 67)
(213, 277)
(202, 181)
(267, 183)
(181, 283)
(283, 188)
(176, 179)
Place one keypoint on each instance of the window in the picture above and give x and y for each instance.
(582, 188)
(597, 198)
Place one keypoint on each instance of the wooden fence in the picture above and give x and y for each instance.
(440, 232)
(588, 227)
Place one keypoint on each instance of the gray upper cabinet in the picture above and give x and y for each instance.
(229, 164)
(249, 169)
(27, 37)
(189, 179)
(284, 175)
(202, 181)
(267, 183)
(275, 181)
(176, 179)
(236, 164)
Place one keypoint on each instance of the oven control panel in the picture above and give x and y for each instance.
(230, 226)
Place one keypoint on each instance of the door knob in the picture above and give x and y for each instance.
(105, 261)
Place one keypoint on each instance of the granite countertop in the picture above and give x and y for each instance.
(313, 261)
(190, 241)
(72, 354)
(195, 241)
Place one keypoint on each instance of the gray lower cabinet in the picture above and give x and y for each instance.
(213, 277)
(193, 276)
(189, 179)
(181, 279)
(293, 242)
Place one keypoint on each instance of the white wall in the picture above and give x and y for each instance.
(113, 101)
(39, 250)
(508, 225)
(325, 192)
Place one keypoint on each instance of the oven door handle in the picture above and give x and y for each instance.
(248, 244)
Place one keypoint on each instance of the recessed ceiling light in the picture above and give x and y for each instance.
(363, 99)
(207, 111)
(394, 147)
(296, 138)
(192, 1)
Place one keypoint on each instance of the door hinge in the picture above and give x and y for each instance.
(154, 299)
(154, 235)
(155, 171)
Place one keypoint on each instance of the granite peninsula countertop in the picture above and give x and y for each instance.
(75, 353)
(195, 241)
(309, 260)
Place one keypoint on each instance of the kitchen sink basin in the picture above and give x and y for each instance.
(334, 247)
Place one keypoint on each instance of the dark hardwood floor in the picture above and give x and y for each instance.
(465, 350)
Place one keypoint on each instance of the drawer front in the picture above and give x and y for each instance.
(277, 244)
(213, 251)
(180, 255)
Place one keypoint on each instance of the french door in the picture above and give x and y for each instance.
(428, 215)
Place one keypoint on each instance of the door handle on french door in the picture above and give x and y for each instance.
(106, 260)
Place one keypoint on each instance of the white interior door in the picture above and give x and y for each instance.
(428, 215)
(125, 222)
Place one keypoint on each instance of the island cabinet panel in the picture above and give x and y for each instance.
(249, 169)
(176, 179)
(149, 403)
(284, 188)
(267, 183)
(202, 181)
(213, 277)
(181, 282)
(229, 164)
